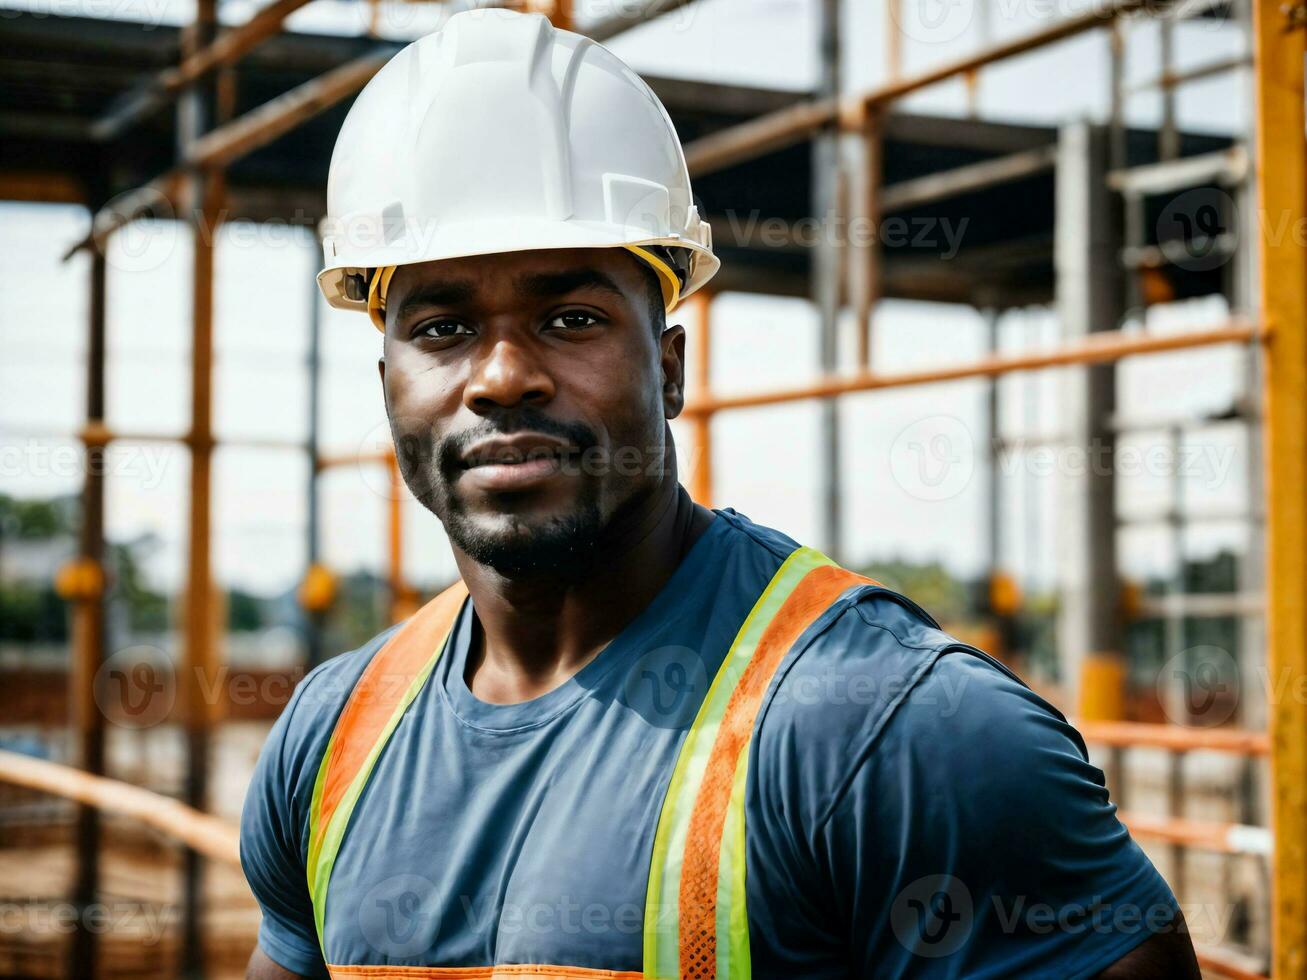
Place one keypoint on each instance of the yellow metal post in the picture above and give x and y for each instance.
(1282, 204)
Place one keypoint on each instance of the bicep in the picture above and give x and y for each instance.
(1166, 955)
(990, 839)
(263, 967)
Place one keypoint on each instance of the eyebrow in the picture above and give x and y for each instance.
(535, 285)
(436, 294)
(541, 285)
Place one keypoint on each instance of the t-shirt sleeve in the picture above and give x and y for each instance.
(271, 843)
(975, 839)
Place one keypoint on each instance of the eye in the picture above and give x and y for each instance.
(442, 329)
(573, 320)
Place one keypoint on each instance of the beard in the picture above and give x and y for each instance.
(562, 545)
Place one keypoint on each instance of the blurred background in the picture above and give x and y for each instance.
(991, 327)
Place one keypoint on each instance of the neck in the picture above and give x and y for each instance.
(536, 633)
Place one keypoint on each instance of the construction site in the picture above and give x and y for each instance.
(1046, 266)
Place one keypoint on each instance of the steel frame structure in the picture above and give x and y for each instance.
(1279, 331)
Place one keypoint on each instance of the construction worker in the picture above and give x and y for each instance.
(639, 738)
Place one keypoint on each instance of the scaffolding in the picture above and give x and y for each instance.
(1099, 256)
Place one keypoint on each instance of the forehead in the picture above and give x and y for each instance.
(523, 277)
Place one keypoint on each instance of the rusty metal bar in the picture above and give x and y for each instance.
(1174, 738)
(89, 616)
(1204, 835)
(403, 600)
(1100, 348)
(164, 87)
(1281, 152)
(202, 193)
(793, 124)
(221, 146)
(701, 475)
(1174, 79)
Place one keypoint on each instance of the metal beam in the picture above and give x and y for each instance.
(89, 618)
(961, 180)
(1278, 49)
(1100, 348)
(610, 27)
(201, 191)
(1090, 299)
(826, 282)
(786, 127)
(1226, 167)
(156, 94)
(221, 146)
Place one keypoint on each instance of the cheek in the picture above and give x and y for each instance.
(417, 388)
(623, 406)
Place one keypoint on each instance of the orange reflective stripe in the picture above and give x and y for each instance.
(517, 971)
(378, 691)
(390, 682)
(818, 589)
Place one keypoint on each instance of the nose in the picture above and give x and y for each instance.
(507, 377)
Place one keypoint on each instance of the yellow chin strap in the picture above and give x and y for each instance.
(667, 278)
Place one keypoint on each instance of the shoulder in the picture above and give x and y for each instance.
(290, 757)
(876, 677)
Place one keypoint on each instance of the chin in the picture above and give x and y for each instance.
(521, 544)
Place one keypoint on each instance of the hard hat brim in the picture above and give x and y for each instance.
(491, 237)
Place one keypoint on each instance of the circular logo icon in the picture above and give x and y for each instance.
(1197, 229)
(1199, 687)
(932, 917)
(933, 458)
(411, 440)
(666, 686)
(933, 21)
(136, 687)
(398, 916)
(148, 237)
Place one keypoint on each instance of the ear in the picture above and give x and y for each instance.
(671, 350)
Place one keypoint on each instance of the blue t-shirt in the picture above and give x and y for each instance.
(912, 808)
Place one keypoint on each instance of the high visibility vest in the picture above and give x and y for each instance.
(696, 925)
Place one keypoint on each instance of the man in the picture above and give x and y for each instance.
(639, 738)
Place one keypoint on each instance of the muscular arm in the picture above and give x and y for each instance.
(1164, 956)
(262, 967)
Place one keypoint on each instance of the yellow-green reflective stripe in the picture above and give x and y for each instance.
(662, 915)
(315, 812)
(320, 868)
(732, 912)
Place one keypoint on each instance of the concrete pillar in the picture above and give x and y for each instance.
(1089, 299)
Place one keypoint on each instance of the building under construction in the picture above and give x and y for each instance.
(1184, 687)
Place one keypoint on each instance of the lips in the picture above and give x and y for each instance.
(516, 462)
(516, 450)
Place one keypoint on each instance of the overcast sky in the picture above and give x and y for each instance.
(913, 470)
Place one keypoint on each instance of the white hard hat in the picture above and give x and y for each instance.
(501, 133)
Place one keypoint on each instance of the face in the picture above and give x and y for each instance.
(528, 396)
